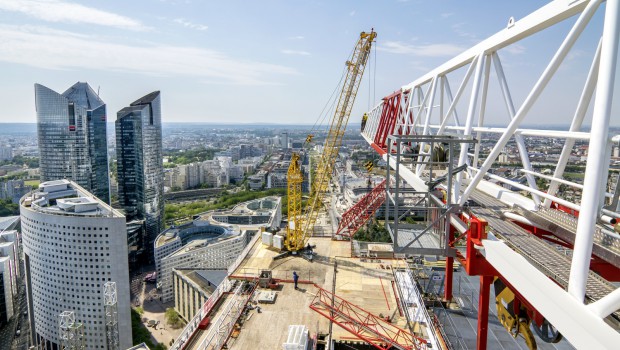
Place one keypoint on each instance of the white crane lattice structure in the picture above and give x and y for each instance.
(71, 332)
(427, 107)
(110, 304)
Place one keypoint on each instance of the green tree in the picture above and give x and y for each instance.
(172, 317)
(8, 208)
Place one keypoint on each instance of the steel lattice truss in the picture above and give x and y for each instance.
(110, 304)
(362, 211)
(364, 325)
(428, 106)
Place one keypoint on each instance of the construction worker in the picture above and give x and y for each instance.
(295, 278)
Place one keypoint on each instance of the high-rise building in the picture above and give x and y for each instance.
(73, 244)
(72, 137)
(140, 166)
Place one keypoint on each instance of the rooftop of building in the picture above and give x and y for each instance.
(195, 233)
(64, 197)
(141, 346)
(146, 99)
(366, 283)
(204, 279)
(82, 94)
(8, 222)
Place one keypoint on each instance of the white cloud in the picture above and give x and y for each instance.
(352, 13)
(188, 24)
(62, 11)
(430, 50)
(52, 49)
(460, 31)
(515, 49)
(297, 37)
(447, 14)
(295, 52)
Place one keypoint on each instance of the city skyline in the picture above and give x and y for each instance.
(208, 64)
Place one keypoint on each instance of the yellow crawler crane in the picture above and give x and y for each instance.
(301, 223)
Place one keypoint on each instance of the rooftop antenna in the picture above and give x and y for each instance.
(98, 87)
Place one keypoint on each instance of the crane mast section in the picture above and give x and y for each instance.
(294, 235)
(355, 70)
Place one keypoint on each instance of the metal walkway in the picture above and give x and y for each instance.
(538, 252)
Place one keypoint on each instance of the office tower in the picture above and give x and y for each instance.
(73, 244)
(72, 137)
(140, 166)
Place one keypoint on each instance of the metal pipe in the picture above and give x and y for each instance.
(542, 82)
(606, 305)
(608, 219)
(523, 153)
(596, 166)
(530, 132)
(483, 105)
(475, 90)
(519, 218)
(580, 113)
(531, 190)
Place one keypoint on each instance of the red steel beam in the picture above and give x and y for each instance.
(370, 328)
(362, 211)
(389, 114)
(483, 312)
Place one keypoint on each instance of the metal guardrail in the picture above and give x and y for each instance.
(224, 287)
(192, 325)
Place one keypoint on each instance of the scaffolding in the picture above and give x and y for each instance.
(71, 332)
(110, 304)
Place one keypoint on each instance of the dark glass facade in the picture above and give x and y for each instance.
(140, 167)
(72, 137)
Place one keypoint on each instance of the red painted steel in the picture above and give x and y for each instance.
(370, 328)
(358, 215)
(483, 312)
(389, 114)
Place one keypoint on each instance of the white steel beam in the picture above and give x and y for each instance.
(546, 16)
(582, 326)
(542, 82)
(580, 113)
(471, 111)
(483, 105)
(523, 153)
(598, 164)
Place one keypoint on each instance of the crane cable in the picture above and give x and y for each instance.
(324, 113)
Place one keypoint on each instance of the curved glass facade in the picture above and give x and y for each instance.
(72, 137)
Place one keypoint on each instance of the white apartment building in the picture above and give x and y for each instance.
(73, 243)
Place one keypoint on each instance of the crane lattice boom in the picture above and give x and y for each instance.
(300, 226)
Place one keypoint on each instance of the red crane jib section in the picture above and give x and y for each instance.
(394, 109)
(370, 328)
(362, 211)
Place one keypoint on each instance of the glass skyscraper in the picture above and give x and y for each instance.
(140, 166)
(72, 137)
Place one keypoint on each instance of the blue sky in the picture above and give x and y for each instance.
(257, 61)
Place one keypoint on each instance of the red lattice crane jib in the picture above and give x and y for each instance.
(368, 327)
(362, 211)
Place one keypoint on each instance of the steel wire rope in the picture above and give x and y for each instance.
(323, 115)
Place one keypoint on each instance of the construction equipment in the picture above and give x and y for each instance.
(512, 314)
(301, 224)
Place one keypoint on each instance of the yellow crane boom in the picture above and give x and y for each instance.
(300, 225)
